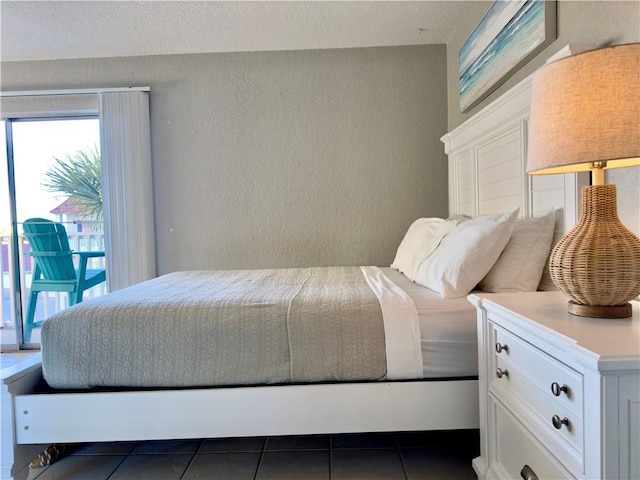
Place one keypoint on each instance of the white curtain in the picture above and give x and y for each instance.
(125, 143)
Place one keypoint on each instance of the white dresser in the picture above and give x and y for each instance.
(559, 394)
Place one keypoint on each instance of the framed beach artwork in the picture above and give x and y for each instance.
(508, 36)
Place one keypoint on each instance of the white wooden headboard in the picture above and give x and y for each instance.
(487, 165)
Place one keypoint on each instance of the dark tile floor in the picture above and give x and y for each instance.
(387, 456)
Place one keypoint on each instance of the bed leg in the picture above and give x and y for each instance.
(14, 457)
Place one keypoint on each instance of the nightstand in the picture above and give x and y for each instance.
(559, 394)
(21, 373)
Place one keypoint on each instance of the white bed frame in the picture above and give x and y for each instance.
(486, 175)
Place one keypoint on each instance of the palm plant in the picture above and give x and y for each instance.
(78, 177)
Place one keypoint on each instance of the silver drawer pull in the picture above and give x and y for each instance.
(557, 422)
(527, 473)
(556, 389)
(500, 348)
(500, 373)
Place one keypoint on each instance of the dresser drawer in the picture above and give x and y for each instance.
(523, 376)
(517, 449)
(558, 381)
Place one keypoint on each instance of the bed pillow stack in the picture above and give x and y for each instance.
(495, 253)
(466, 254)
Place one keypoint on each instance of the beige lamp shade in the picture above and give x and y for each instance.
(585, 116)
(586, 108)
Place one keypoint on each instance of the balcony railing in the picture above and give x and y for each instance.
(48, 302)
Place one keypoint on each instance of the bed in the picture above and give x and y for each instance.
(433, 388)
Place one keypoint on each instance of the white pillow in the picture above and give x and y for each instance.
(522, 261)
(419, 242)
(466, 254)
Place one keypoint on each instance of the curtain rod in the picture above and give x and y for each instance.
(77, 91)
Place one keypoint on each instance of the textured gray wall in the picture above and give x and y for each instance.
(283, 158)
(598, 23)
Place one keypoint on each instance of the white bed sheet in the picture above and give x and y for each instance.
(401, 326)
(448, 335)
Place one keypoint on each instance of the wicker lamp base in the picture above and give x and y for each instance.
(597, 263)
(597, 311)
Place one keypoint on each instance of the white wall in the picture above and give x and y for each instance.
(281, 159)
(599, 23)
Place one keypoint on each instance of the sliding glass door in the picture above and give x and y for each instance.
(40, 128)
(51, 171)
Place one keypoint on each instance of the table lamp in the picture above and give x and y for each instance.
(585, 116)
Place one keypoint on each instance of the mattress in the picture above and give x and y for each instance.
(448, 334)
(306, 325)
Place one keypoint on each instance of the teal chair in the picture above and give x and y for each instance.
(54, 268)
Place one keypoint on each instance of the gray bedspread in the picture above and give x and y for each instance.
(221, 328)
